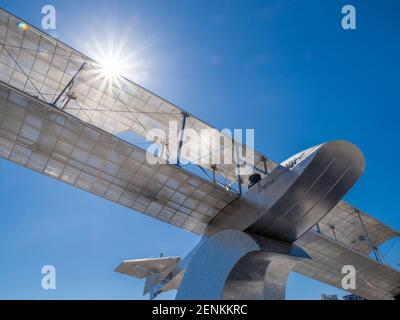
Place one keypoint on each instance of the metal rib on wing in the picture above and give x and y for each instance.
(32, 62)
(343, 224)
(54, 143)
(40, 65)
(373, 279)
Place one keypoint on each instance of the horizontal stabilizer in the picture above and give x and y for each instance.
(157, 272)
(141, 268)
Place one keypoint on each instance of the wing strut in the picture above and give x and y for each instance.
(374, 248)
(239, 179)
(69, 85)
(184, 116)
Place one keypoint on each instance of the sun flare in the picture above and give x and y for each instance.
(119, 54)
(111, 67)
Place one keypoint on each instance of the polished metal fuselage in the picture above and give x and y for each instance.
(296, 195)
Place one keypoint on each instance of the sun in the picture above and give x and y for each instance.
(117, 55)
(112, 63)
(111, 67)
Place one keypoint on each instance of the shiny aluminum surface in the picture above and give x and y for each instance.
(374, 280)
(52, 142)
(296, 195)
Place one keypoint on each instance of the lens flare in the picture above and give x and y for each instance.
(22, 26)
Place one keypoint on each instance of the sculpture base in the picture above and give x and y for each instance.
(232, 264)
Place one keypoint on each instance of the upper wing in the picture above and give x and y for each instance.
(43, 66)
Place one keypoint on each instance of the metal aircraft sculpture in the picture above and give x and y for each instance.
(260, 222)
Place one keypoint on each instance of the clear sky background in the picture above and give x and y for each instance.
(285, 68)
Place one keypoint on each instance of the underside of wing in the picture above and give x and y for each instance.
(354, 228)
(347, 236)
(374, 280)
(63, 147)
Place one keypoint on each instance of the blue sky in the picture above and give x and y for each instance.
(285, 68)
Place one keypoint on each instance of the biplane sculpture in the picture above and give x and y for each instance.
(263, 220)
